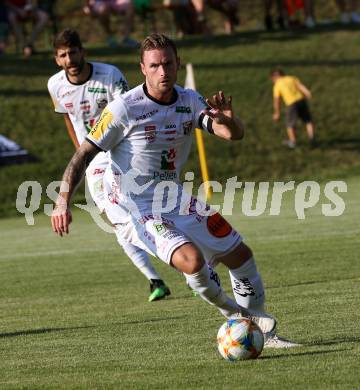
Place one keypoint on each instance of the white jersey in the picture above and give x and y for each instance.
(85, 102)
(148, 141)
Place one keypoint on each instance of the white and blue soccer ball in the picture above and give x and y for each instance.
(240, 339)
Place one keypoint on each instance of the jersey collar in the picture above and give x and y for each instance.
(172, 101)
(89, 77)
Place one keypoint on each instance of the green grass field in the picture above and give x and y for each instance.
(74, 311)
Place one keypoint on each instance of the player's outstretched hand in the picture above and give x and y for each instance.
(60, 219)
(221, 108)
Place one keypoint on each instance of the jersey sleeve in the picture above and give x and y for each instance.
(119, 84)
(111, 127)
(203, 121)
(276, 91)
(57, 106)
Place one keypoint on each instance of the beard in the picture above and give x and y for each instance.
(76, 69)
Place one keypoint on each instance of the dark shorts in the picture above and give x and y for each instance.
(299, 109)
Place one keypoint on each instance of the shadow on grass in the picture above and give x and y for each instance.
(41, 331)
(342, 143)
(31, 332)
(296, 354)
(312, 282)
(342, 340)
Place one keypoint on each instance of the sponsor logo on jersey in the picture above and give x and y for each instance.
(183, 109)
(147, 115)
(134, 100)
(187, 127)
(170, 126)
(161, 176)
(85, 107)
(84, 102)
(101, 102)
(167, 166)
(67, 93)
(89, 124)
(168, 160)
(218, 226)
(150, 133)
(101, 125)
(97, 90)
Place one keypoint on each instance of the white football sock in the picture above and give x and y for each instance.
(140, 259)
(206, 283)
(247, 286)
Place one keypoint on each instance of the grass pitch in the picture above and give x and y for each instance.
(74, 311)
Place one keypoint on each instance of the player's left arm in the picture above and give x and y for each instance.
(225, 124)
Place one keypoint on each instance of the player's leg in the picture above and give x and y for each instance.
(202, 279)
(291, 118)
(164, 240)
(249, 292)
(305, 115)
(94, 176)
(141, 260)
(246, 281)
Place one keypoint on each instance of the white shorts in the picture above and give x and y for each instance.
(212, 234)
(94, 175)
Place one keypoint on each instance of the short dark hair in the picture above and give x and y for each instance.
(156, 41)
(277, 72)
(67, 38)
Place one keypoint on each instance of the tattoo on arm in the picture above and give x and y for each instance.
(75, 170)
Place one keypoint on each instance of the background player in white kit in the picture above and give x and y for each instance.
(80, 91)
(147, 132)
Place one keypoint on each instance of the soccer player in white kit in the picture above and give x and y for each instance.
(80, 91)
(148, 134)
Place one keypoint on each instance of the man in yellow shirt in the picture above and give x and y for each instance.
(294, 95)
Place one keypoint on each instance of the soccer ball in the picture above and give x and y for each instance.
(240, 339)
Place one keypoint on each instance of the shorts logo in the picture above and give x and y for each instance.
(218, 226)
(183, 109)
(168, 160)
(187, 126)
(98, 171)
(160, 228)
(69, 105)
(150, 133)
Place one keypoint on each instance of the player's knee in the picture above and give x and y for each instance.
(187, 259)
(237, 257)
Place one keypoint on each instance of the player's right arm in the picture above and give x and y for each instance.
(74, 172)
(71, 131)
(276, 106)
(305, 91)
(107, 133)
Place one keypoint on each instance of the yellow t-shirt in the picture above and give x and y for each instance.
(287, 88)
